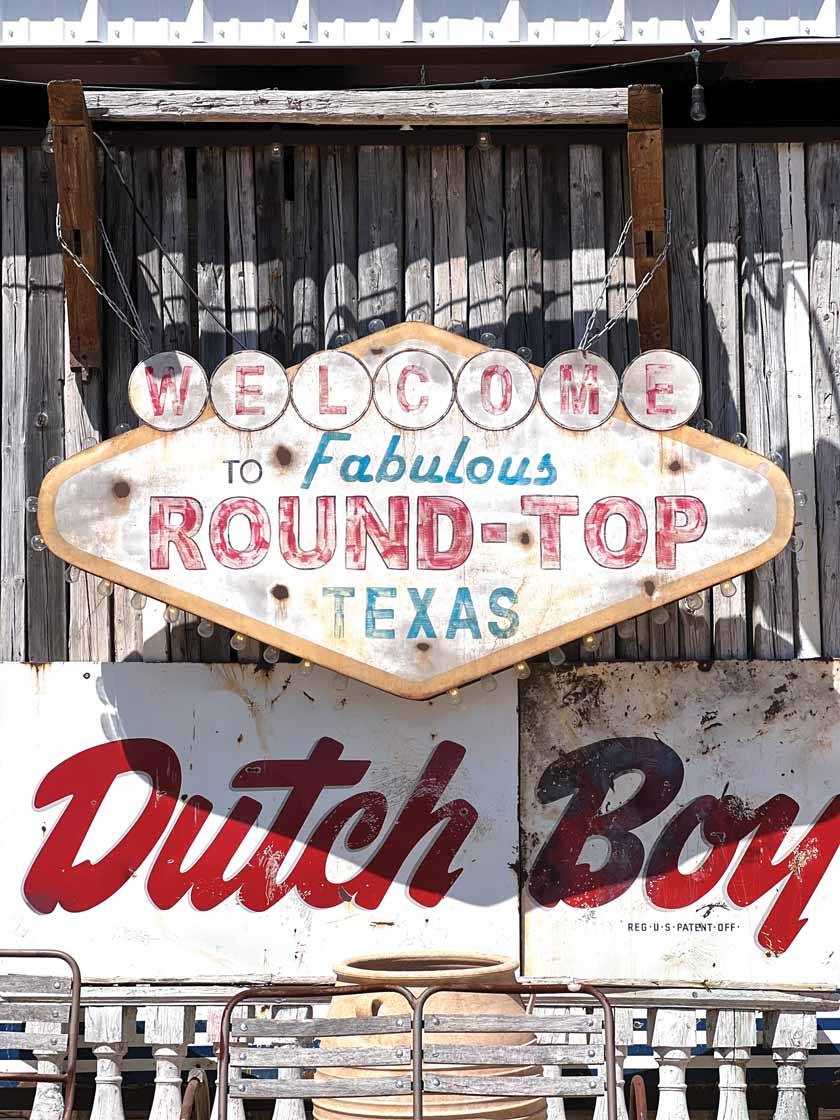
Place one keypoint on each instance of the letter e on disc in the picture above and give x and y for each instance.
(661, 390)
(249, 390)
(413, 389)
(578, 390)
(496, 389)
(331, 390)
(168, 391)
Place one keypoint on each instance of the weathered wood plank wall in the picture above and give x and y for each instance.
(294, 247)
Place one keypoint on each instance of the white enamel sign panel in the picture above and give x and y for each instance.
(223, 822)
(682, 822)
(417, 517)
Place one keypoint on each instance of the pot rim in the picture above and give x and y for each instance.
(415, 967)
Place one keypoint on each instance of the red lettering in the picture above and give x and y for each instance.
(580, 396)
(163, 533)
(259, 532)
(289, 531)
(635, 532)
(430, 555)
(324, 405)
(159, 389)
(491, 373)
(654, 389)
(422, 400)
(54, 879)
(669, 534)
(363, 522)
(549, 508)
(243, 390)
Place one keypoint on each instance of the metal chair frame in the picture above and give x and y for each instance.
(68, 1078)
(416, 1005)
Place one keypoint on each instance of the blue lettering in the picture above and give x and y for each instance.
(391, 459)
(339, 594)
(421, 613)
(545, 464)
(319, 458)
(520, 478)
(452, 476)
(463, 615)
(487, 466)
(359, 465)
(511, 616)
(374, 614)
(431, 474)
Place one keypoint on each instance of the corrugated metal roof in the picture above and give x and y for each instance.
(368, 22)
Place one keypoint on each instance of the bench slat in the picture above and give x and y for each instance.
(15, 983)
(335, 1087)
(535, 1054)
(537, 1024)
(34, 1012)
(311, 1057)
(515, 1086)
(320, 1028)
(29, 1040)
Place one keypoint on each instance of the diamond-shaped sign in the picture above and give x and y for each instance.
(418, 515)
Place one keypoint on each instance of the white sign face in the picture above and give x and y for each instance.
(217, 822)
(417, 560)
(249, 390)
(682, 822)
(168, 391)
(661, 389)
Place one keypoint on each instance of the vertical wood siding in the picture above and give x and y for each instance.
(292, 247)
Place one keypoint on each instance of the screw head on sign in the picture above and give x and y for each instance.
(590, 1053)
(436, 1081)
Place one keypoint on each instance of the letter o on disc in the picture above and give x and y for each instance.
(413, 389)
(661, 390)
(495, 389)
(249, 390)
(578, 390)
(168, 391)
(331, 390)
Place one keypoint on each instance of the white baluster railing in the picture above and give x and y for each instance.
(107, 1032)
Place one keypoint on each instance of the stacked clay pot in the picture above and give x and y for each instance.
(416, 972)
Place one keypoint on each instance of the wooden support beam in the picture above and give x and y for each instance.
(647, 205)
(472, 107)
(77, 184)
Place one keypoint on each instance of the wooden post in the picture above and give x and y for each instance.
(78, 194)
(647, 205)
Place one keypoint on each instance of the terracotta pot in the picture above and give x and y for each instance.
(416, 972)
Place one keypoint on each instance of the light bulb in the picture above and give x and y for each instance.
(454, 696)
(484, 141)
(53, 462)
(137, 601)
(276, 151)
(88, 443)
(456, 327)
(271, 654)
(693, 603)
(341, 339)
(777, 458)
(525, 353)
(375, 325)
(305, 668)
(121, 429)
(626, 630)
(48, 142)
(41, 419)
(489, 683)
(523, 670)
(105, 587)
(38, 543)
(697, 112)
(739, 439)
(590, 642)
(801, 498)
(706, 426)
(557, 656)
(340, 682)
(659, 616)
(172, 615)
(237, 641)
(31, 505)
(205, 628)
(728, 589)
(71, 574)
(796, 544)
(488, 339)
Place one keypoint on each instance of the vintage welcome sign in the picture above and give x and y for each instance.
(682, 822)
(414, 509)
(217, 821)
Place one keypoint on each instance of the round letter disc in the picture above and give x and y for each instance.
(578, 390)
(413, 389)
(168, 391)
(331, 390)
(249, 390)
(661, 390)
(496, 389)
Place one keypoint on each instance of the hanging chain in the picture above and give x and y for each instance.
(588, 339)
(82, 267)
(121, 280)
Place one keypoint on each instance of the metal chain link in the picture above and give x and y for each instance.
(121, 280)
(82, 267)
(587, 340)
